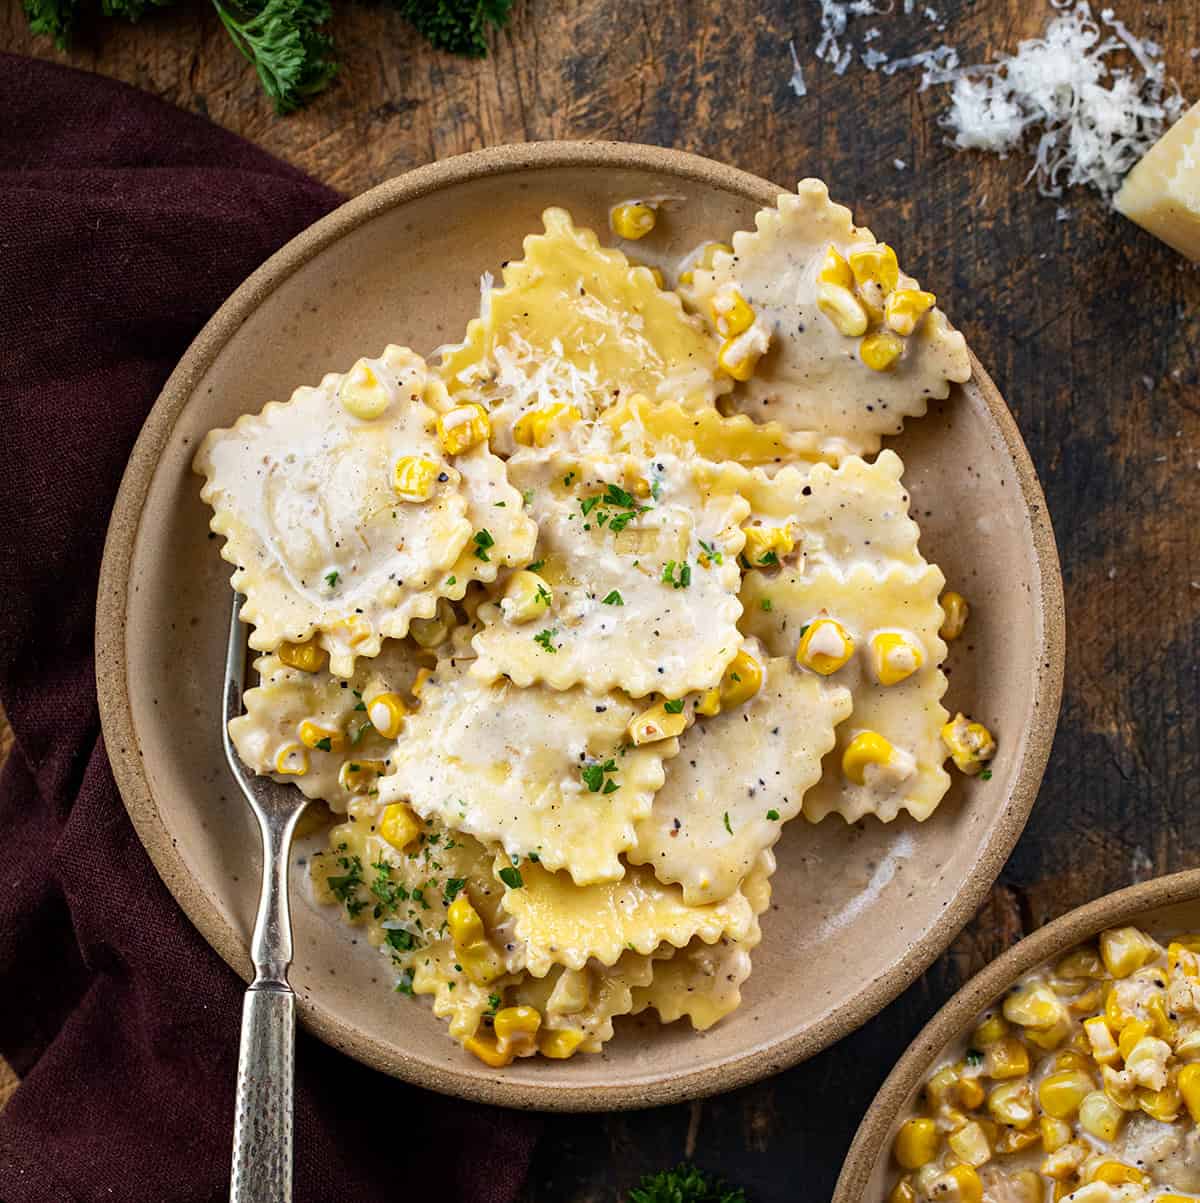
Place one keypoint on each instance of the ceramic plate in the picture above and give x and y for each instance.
(858, 912)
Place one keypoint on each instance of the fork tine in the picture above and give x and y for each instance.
(235, 678)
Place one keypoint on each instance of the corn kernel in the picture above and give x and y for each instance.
(479, 959)
(358, 776)
(1073, 1059)
(536, 427)
(431, 632)
(1051, 1037)
(1163, 1105)
(835, 269)
(742, 680)
(632, 220)
(942, 1085)
(1099, 1034)
(314, 735)
(292, 760)
(1062, 1163)
(362, 394)
(307, 657)
(704, 260)
(1087, 1003)
(386, 712)
(916, 1143)
(739, 355)
(865, 749)
(1100, 1117)
(1010, 1140)
(970, 744)
(399, 826)
(971, 1145)
(843, 309)
(731, 314)
(354, 628)
(880, 350)
(487, 1052)
(1034, 1005)
(1060, 1094)
(516, 1029)
(1006, 1058)
(1164, 1026)
(1125, 950)
(825, 646)
(993, 1028)
(1055, 1133)
(1117, 1173)
(1012, 1103)
(956, 611)
(767, 544)
(414, 478)
(895, 656)
(526, 597)
(462, 428)
(709, 703)
(970, 1093)
(559, 1045)
(655, 724)
(875, 265)
(961, 1184)
(905, 307)
(572, 992)
(1189, 1089)
(903, 1192)
(423, 675)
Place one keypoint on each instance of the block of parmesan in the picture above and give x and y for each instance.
(1162, 193)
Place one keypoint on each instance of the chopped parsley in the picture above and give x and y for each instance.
(483, 540)
(570, 476)
(450, 580)
(614, 599)
(404, 982)
(527, 496)
(356, 736)
(537, 565)
(512, 877)
(711, 552)
(773, 815)
(388, 894)
(804, 629)
(324, 744)
(332, 578)
(726, 819)
(768, 558)
(344, 886)
(401, 941)
(674, 707)
(598, 776)
(454, 887)
(543, 595)
(973, 1057)
(545, 639)
(679, 576)
(618, 508)
(766, 604)
(986, 775)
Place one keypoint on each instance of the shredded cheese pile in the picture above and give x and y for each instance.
(1084, 119)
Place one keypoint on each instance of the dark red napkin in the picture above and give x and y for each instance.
(123, 224)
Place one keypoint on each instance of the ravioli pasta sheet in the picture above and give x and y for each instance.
(567, 629)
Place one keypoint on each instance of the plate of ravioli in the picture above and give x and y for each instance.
(645, 585)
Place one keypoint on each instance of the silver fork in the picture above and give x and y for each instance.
(262, 1126)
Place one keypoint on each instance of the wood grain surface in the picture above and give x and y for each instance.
(1090, 328)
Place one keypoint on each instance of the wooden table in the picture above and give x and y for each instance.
(1091, 329)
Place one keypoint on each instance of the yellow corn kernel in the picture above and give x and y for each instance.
(1055, 1133)
(479, 959)
(537, 427)
(835, 269)
(292, 760)
(825, 646)
(463, 920)
(1089, 1002)
(709, 703)
(916, 1143)
(358, 776)
(399, 826)
(1189, 1089)
(843, 309)
(703, 260)
(961, 1184)
(1071, 1058)
(516, 1029)
(314, 735)
(659, 278)
(463, 427)
(1010, 1140)
(362, 393)
(970, 1093)
(414, 478)
(1165, 1027)
(430, 632)
(1026, 1187)
(1051, 1037)
(526, 597)
(956, 611)
(1125, 950)
(1163, 1105)
(970, 1144)
(866, 748)
(355, 628)
(895, 656)
(993, 1028)
(1034, 1005)
(487, 1052)
(1170, 1197)
(880, 350)
(386, 712)
(1060, 1094)
(632, 220)
(742, 680)
(905, 307)
(1062, 1163)
(1099, 1034)
(767, 544)
(1117, 1173)
(559, 1045)
(942, 1085)
(423, 675)
(970, 744)
(1100, 1117)
(875, 265)
(1006, 1058)
(307, 657)
(1117, 1017)
(1012, 1103)
(739, 355)
(1182, 958)
(731, 313)
(903, 1192)
(655, 724)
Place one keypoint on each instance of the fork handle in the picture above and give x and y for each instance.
(262, 1126)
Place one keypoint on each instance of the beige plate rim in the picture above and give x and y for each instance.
(121, 738)
(1110, 910)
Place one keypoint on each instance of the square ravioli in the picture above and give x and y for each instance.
(637, 562)
(345, 514)
(574, 325)
(851, 346)
(542, 773)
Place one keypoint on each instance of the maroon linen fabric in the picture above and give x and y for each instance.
(123, 224)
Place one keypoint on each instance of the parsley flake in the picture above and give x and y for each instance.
(674, 707)
(544, 639)
(332, 578)
(727, 827)
(512, 877)
(614, 599)
(773, 815)
(483, 540)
